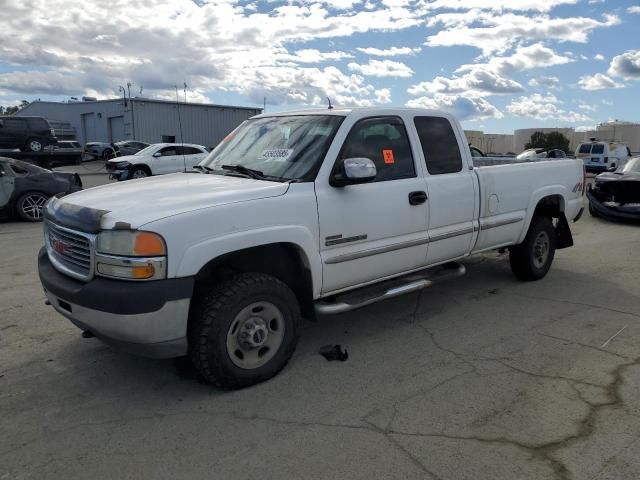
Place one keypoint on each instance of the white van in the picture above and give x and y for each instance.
(599, 156)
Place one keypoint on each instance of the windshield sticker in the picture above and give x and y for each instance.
(277, 154)
(387, 155)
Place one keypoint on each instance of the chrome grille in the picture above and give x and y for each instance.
(70, 251)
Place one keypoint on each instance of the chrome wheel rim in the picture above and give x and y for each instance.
(33, 205)
(35, 146)
(139, 174)
(541, 247)
(255, 335)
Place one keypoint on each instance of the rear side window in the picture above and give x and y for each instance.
(598, 148)
(439, 145)
(384, 141)
(14, 123)
(190, 151)
(585, 148)
(39, 124)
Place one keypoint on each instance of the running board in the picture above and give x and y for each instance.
(362, 297)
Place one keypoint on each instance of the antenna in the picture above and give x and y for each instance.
(184, 159)
(330, 106)
(264, 104)
(185, 91)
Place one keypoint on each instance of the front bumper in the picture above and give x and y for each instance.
(144, 318)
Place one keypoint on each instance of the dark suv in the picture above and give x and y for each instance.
(29, 134)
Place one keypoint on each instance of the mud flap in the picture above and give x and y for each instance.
(564, 239)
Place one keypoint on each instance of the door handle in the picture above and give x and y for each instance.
(416, 198)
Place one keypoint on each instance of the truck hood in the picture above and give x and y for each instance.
(137, 202)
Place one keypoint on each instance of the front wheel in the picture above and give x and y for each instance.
(532, 259)
(34, 145)
(30, 206)
(244, 330)
(139, 172)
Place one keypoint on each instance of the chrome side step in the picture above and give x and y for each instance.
(388, 289)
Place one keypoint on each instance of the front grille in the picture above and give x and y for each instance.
(69, 251)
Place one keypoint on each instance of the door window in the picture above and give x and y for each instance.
(38, 124)
(585, 148)
(384, 141)
(439, 145)
(14, 123)
(168, 151)
(191, 151)
(598, 148)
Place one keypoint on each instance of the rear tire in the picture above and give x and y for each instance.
(34, 145)
(244, 330)
(532, 259)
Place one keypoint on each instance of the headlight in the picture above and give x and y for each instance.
(131, 255)
(130, 243)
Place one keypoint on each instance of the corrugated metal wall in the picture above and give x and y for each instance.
(202, 124)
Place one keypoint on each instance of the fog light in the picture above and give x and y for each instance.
(138, 272)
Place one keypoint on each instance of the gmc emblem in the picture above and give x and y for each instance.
(58, 245)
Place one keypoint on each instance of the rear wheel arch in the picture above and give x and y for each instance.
(285, 261)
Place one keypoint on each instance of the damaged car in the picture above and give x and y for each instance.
(616, 194)
(26, 188)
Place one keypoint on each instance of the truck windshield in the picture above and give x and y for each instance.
(280, 148)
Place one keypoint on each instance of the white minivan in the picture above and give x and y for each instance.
(157, 159)
(599, 156)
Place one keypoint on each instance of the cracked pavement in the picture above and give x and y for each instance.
(482, 377)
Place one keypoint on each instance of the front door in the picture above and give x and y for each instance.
(168, 161)
(451, 187)
(7, 183)
(372, 230)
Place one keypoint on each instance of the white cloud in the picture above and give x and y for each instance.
(499, 5)
(544, 107)
(389, 52)
(626, 65)
(634, 9)
(599, 57)
(474, 83)
(598, 81)
(496, 33)
(463, 108)
(381, 68)
(383, 95)
(545, 82)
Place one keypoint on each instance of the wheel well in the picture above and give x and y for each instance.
(285, 261)
(142, 167)
(550, 206)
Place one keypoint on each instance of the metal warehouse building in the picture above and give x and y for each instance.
(143, 119)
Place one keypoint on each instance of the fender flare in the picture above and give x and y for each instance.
(536, 197)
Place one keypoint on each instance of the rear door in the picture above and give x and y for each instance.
(451, 188)
(14, 132)
(193, 156)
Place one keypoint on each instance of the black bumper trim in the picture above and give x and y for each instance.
(119, 297)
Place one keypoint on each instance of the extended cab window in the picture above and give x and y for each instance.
(384, 141)
(439, 145)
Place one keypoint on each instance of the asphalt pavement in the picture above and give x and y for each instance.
(483, 377)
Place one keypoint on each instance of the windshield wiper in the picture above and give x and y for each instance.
(203, 168)
(249, 172)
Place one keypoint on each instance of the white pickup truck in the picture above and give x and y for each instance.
(294, 214)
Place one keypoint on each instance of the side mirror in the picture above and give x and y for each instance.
(157, 154)
(352, 171)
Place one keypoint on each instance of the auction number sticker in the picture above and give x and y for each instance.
(277, 154)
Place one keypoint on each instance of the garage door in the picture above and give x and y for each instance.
(116, 128)
(89, 127)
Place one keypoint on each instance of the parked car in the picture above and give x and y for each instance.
(295, 214)
(541, 153)
(106, 150)
(25, 188)
(601, 156)
(29, 134)
(157, 159)
(616, 194)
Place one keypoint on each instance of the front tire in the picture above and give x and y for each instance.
(244, 330)
(532, 259)
(139, 172)
(30, 206)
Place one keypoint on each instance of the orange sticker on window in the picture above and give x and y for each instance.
(387, 155)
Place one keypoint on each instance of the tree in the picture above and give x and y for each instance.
(548, 141)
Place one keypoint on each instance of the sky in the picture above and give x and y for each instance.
(498, 65)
